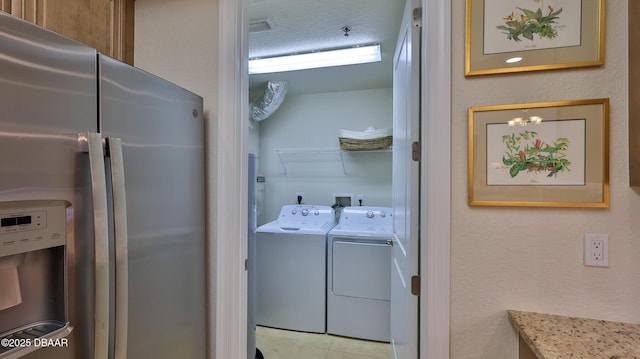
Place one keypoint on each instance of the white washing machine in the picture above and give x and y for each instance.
(291, 275)
(359, 274)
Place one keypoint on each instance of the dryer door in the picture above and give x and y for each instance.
(361, 268)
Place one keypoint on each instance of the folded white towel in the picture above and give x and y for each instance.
(368, 134)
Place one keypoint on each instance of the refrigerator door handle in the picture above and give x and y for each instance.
(93, 141)
(121, 250)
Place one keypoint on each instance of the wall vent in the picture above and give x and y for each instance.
(260, 25)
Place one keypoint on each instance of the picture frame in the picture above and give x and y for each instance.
(547, 154)
(507, 36)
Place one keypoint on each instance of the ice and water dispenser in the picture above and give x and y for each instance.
(33, 303)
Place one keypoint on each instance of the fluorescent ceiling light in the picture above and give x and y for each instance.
(312, 60)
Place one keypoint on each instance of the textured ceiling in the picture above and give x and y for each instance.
(305, 25)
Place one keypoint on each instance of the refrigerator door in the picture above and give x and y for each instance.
(48, 90)
(162, 135)
(47, 82)
(52, 168)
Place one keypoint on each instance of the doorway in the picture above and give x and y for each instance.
(304, 133)
(230, 341)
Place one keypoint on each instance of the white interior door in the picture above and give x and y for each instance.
(406, 181)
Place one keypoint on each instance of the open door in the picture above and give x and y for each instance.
(406, 186)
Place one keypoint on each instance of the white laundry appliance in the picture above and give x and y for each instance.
(291, 275)
(359, 273)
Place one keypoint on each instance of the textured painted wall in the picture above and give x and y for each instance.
(314, 121)
(531, 258)
(178, 40)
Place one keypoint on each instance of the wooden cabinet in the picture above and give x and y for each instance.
(106, 25)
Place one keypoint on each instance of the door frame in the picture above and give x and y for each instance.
(435, 186)
(229, 207)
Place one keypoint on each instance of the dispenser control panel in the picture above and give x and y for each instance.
(23, 221)
(31, 225)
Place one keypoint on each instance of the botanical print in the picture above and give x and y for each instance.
(527, 23)
(549, 153)
(535, 155)
(520, 25)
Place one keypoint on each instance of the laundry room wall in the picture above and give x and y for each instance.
(306, 125)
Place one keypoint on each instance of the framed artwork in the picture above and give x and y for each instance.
(549, 154)
(505, 36)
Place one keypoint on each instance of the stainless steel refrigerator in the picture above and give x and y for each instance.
(102, 233)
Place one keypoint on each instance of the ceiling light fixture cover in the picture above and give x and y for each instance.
(311, 60)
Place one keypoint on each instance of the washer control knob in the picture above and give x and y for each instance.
(370, 214)
(382, 214)
(293, 211)
(316, 212)
(305, 212)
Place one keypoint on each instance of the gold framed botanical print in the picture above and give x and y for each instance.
(504, 36)
(548, 154)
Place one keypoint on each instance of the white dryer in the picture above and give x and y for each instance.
(359, 273)
(291, 275)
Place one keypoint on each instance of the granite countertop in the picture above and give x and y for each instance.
(559, 337)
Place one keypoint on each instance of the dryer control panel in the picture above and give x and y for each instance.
(366, 218)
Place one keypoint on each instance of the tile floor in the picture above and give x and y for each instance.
(285, 344)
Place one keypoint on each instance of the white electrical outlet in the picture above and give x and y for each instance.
(596, 249)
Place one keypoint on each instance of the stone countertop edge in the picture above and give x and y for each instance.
(557, 337)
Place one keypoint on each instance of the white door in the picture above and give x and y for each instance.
(405, 192)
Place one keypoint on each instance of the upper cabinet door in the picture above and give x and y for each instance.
(106, 25)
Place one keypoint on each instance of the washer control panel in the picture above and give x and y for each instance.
(31, 225)
(380, 213)
(305, 211)
(308, 216)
